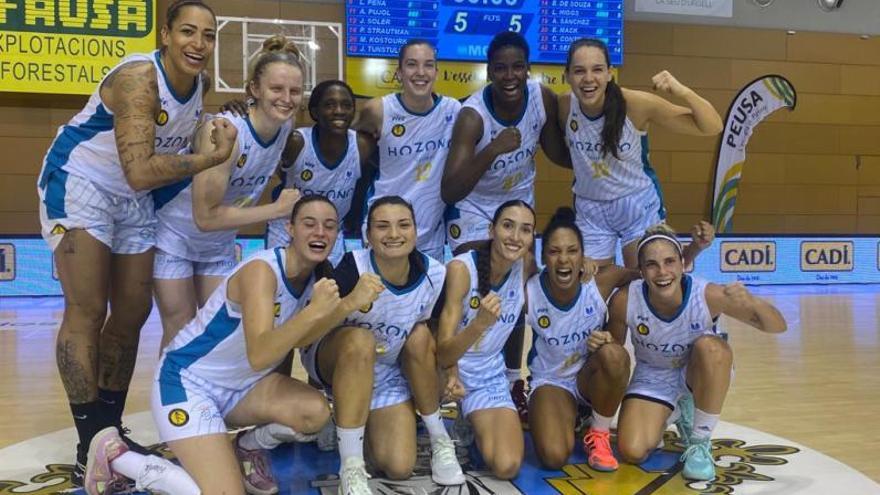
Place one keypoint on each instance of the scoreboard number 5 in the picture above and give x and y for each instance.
(460, 21)
(515, 24)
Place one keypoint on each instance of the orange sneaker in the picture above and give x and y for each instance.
(597, 446)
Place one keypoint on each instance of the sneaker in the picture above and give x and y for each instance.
(698, 462)
(79, 467)
(685, 422)
(353, 478)
(255, 469)
(326, 440)
(105, 446)
(445, 469)
(597, 446)
(521, 400)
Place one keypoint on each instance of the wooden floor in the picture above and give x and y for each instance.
(818, 384)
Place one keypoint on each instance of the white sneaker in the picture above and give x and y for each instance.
(353, 478)
(445, 469)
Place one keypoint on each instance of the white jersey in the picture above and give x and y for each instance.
(312, 174)
(560, 333)
(412, 154)
(666, 343)
(252, 168)
(393, 315)
(212, 346)
(511, 175)
(484, 358)
(86, 146)
(599, 176)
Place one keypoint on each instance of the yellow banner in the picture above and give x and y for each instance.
(375, 77)
(67, 46)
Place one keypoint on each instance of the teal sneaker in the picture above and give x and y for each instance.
(698, 462)
(685, 422)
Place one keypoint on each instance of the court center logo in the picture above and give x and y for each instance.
(7, 262)
(748, 256)
(827, 256)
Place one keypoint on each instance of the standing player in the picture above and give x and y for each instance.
(413, 130)
(381, 364)
(98, 219)
(218, 369)
(199, 218)
(617, 195)
(671, 318)
(484, 297)
(327, 158)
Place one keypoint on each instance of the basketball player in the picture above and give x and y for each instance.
(98, 219)
(671, 318)
(198, 219)
(617, 195)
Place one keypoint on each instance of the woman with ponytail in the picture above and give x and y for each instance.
(199, 218)
(617, 195)
(566, 311)
(218, 371)
(484, 297)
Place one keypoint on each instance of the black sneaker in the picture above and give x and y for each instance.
(79, 468)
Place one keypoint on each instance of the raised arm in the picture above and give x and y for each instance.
(369, 119)
(464, 166)
(255, 287)
(131, 93)
(736, 301)
(552, 136)
(451, 346)
(702, 235)
(697, 118)
(610, 277)
(209, 188)
(616, 324)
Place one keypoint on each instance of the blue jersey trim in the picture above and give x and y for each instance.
(649, 171)
(72, 136)
(686, 284)
(290, 288)
(398, 290)
(546, 290)
(165, 194)
(324, 162)
(171, 388)
(437, 99)
(263, 144)
(493, 287)
(56, 192)
(185, 99)
(487, 100)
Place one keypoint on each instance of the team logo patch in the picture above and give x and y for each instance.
(454, 231)
(178, 417)
(241, 160)
(398, 130)
(475, 302)
(277, 309)
(59, 229)
(306, 175)
(643, 329)
(162, 118)
(544, 321)
(367, 308)
(573, 125)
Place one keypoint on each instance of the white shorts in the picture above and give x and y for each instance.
(463, 226)
(390, 387)
(433, 244)
(277, 236)
(603, 223)
(569, 386)
(185, 406)
(125, 225)
(489, 394)
(167, 266)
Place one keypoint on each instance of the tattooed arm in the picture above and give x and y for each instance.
(736, 301)
(131, 93)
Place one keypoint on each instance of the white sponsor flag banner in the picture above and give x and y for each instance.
(714, 8)
(756, 101)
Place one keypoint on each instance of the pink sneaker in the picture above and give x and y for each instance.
(105, 446)
(256, 470)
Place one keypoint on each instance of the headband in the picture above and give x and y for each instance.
(654, 237)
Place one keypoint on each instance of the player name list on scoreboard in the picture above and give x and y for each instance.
(462, 29)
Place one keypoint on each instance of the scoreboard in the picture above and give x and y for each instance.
(462, 29)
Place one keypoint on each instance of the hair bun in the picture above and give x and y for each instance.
(563, 214)
(279, 43)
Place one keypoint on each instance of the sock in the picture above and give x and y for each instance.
(155, 474)
(351, 442)
(88, 420)
(513, 375)
(599, 422)
(270, 436)
(704, 424)
(112, 404)
(434, 424)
